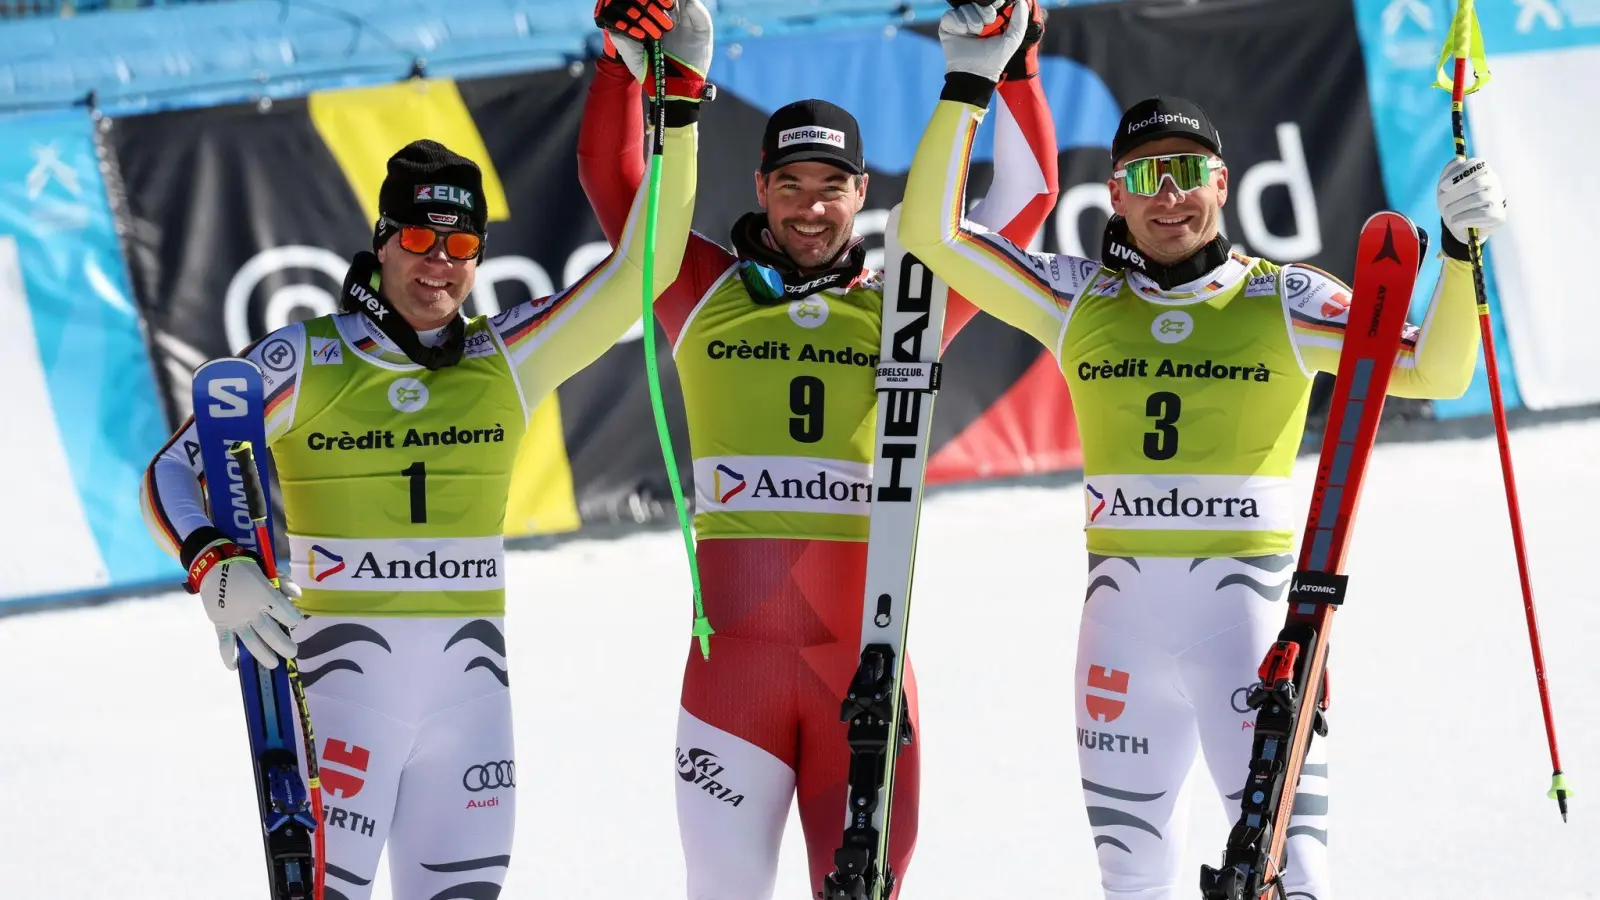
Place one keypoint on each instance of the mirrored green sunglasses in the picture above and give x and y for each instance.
(1187, 171)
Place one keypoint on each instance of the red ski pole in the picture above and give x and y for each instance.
(1466, 44)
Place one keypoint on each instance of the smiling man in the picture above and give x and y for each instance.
(775, 343)
(1190, 366)
(394, 426)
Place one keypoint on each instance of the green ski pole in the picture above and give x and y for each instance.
(702, 626)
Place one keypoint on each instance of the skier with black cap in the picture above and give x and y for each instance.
(1190, 366)
(774, 343)
(394, 426)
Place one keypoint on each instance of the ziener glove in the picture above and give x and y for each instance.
(242, 603)
(1469, 195)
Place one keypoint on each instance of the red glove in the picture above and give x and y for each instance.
(1024, 63)
(642, 20)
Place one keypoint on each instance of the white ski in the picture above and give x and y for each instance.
(907, 379)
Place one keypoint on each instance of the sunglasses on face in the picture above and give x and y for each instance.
(421, 240)
(1186, 171)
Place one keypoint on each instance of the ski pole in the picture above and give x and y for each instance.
(256, 504)
(1465, 44)
(658, 68)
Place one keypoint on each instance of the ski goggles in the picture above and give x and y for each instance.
(421, 240)
(1187, 171)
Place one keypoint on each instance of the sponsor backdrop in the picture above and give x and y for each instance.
(237, 219)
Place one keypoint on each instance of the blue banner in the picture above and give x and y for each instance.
(1401, 41)
(83, 379)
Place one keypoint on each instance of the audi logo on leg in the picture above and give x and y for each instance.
(490, 776)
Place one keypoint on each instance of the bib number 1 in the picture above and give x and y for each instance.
(418, 473)
(1164, 407)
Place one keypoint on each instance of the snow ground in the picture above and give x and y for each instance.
(122, 746)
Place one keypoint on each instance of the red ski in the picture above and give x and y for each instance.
(1387, 258)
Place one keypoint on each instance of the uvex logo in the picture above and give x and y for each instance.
(368, 300)
(1123, 251)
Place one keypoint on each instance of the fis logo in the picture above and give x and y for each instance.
(325, 352)
(727, 489)
(330, 563)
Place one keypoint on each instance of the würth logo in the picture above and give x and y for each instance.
(1103, 708)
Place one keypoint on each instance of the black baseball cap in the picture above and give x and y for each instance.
(1163, 117)
(429, 184)
(812, 130)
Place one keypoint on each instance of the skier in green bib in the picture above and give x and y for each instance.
(393, 426)
(775, 342)
(1190, 366)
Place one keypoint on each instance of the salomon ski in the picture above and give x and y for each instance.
(230, 428)
(1291, 696)
(874, 707)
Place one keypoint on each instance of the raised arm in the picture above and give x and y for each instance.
(1026, 183)
(611, 166)
(1030, 291)
(549, 339)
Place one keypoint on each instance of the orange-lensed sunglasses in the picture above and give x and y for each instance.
(420, 239)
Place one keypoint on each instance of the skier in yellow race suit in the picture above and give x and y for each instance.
(394, 427)
(1190, 367)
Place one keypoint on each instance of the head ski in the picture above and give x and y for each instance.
(1291, 697)
(874, 707)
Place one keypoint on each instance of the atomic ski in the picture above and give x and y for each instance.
(1387, 258)
(874, 707)
(229, 425)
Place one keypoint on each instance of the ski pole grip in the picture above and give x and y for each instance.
(255, 500)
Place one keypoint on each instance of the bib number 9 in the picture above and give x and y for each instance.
(805, 401)
(1164, 407)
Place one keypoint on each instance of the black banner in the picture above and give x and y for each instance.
(242, 218)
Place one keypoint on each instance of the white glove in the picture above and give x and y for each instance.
(985, 57)
(241, 602)
(632, 54)
(1470, 196)
(689, 41)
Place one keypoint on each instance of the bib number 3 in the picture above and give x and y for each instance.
(1164, 407)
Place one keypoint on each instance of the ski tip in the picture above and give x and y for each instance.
(1392, 219)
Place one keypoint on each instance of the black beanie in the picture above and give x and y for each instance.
(428, 184)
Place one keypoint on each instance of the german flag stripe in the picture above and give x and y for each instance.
(541, 314)
(277, 397)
